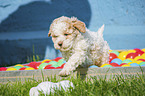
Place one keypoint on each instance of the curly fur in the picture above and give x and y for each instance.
(78, 45)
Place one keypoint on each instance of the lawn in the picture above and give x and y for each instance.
(93, 86)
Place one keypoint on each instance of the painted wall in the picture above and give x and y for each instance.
(24, 25)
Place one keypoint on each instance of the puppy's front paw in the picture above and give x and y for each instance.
(64, 73)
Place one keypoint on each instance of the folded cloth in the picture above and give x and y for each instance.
(47, 87)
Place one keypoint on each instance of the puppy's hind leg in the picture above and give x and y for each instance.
(105, 54)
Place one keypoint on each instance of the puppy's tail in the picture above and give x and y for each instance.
(100, 33)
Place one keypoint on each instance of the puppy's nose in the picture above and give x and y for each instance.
(60, 43)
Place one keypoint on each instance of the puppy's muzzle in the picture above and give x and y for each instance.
(60, 43)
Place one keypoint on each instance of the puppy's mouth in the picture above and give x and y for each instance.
(65, 48)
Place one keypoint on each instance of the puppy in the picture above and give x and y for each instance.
(78, 45)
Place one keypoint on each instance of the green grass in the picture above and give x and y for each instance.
(118, 86)
(34, 57)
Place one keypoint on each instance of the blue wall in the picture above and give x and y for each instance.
(124, 20)
(24, 24)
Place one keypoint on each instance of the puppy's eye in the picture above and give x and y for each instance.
(54, 36)
(66, 34)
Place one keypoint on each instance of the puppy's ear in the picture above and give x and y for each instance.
(79, 25)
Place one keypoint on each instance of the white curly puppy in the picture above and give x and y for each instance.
(78, 45)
